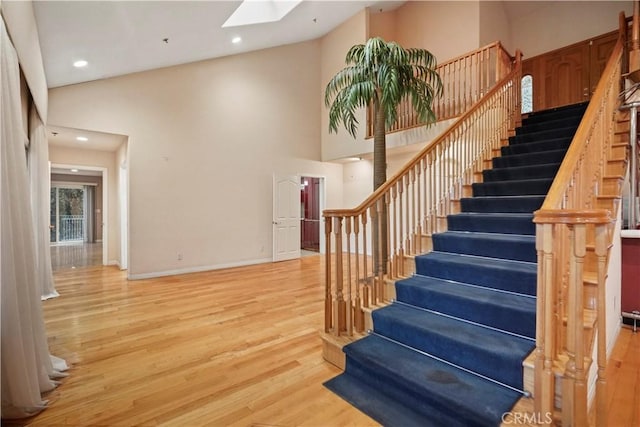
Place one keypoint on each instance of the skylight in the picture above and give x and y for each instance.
(260, 11)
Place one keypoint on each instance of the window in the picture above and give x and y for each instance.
(526, 88)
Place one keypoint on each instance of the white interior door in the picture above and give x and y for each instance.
(286, 217)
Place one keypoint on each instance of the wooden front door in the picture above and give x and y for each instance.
(570, 74)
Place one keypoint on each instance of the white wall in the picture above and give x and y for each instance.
(494, 25)
(333, 49)
(446, 28)
(102, 159)
(204, 141)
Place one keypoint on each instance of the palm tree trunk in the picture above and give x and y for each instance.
(379, 223)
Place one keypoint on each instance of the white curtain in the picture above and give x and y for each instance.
(39, 178)
(27, 367)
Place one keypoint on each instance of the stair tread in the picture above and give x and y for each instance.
(504, 274)
(516, 223)
(482, 294)
(497, 237)
(471, 302)
(387, 411)
(439, 333)
(435, 290)
(436, 382)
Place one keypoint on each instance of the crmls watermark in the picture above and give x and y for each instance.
(527, 418)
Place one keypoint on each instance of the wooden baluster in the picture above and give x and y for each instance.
(328, 324)
(476, 77)
(407, 231)
(387, 202)
(365, 288)
(382, 244)
(375, 244)
(394, 236)
(349, 310)
(338, 301)
(411, 209)
(601, 384)
(425, 186)
(418, 241)
(400, 225)
(358, 313)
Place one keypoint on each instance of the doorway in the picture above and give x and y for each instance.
(78, 200)
(310, 199)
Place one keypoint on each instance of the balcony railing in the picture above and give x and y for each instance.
(71, 228)
(465, 80)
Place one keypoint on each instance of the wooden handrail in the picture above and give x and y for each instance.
(376, 195)
(564, 176)
(410, 206)
(572, 238)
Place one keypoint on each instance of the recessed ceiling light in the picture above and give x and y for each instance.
(82, 138)
(236, 40)
(80, 63)
(73, 170)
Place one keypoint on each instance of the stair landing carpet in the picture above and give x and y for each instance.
(449, 350)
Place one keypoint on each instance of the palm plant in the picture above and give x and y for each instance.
(381, 74)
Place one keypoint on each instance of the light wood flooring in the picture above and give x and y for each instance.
(231, 347)
(74, 255)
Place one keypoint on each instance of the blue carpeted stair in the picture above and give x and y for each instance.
(449, 351)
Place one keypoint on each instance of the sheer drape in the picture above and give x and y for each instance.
(27, 366)
(40, 197)
(89, 213)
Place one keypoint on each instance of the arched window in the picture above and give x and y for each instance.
(526, 88)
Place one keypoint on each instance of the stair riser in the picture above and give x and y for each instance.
(546, 124)
(483, 312)
(527, 205)
(553, 115)
(525, 172)
(510, 188)
(482, 360)
(538, 136)
(469, 245)
(529, 159)
(536, 147)
(492, 224)
(483, 275)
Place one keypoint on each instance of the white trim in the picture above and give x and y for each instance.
(198, 269)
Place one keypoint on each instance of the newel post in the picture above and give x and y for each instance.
(339, 305)
(327, 274)
(544, 380)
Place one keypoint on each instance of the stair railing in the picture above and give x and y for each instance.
(572, 239)
(465, 80)
(415, 201)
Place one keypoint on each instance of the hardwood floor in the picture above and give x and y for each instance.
(74, 255)
(231, 347)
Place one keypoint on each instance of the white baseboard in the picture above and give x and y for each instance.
(197, 269)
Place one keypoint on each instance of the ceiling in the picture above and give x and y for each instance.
(121, 37)
(67, 137)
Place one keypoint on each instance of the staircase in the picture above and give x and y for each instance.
(449, 350)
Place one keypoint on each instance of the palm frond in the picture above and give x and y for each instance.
(382, 73)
